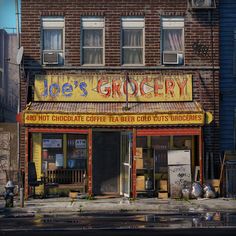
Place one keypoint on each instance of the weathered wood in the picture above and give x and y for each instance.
(65, 176)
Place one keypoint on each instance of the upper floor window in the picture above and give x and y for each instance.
(173, 40)
(132, 40)
(92, 41)
(53, 40)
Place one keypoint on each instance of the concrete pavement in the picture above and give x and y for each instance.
(117, 205)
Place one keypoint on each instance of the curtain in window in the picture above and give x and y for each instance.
(173, 40)
(52, 39)
(93, 46)
(132, 46)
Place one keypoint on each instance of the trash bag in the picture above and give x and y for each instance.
(186, 193)
(208, 191)
(196, 190)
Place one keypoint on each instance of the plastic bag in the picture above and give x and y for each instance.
(196, 190)
(208, 191)
(186, 193)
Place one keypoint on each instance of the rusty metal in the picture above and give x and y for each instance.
(26, 162)
(169, 131)
(134, 193)
(90, 162)
(200, 155)
(114, 108)
(56, 130)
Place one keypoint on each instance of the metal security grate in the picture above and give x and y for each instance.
(230, 178)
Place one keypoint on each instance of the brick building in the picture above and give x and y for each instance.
(120, 92)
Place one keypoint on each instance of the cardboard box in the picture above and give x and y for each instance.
(73, 195)
(139, 152)
(139, 163)
(213, 182)
(163, 195)
(140, 183)
(52, 166)
(163, 185)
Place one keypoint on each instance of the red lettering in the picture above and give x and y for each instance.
(157, 87)
(146, 80)
(106, 89)
(116, 84)
(134, 86)
(170, 84)
(182, 86)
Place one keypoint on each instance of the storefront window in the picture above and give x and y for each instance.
(182, 142)
(64, 151)
(52, 151)
(77, 151)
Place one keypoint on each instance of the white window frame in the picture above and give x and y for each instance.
(133, 23)
(92, 23)
(172, 23)
(56, 22)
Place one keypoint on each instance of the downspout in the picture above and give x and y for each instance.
(18, 99)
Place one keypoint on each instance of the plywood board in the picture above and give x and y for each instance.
(179, 177)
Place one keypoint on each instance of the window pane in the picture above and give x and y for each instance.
(52, 39)
(92, 56)
(133, 37)
(133, 56)
(172, 39)
(93, 38)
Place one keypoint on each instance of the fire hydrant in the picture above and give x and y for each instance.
(9, 194)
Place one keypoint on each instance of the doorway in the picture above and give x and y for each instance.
(106, 162)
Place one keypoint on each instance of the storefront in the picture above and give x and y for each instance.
(121, 148)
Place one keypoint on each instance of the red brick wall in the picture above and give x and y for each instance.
(199, 26)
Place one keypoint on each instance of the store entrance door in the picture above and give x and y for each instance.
(106, 162)
(126, 151)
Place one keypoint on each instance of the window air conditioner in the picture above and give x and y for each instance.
(172, 58)
(202, 4)
(50, 58)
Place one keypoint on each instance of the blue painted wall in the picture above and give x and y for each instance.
(227, 78)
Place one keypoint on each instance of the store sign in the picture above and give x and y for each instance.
(113, 88)
(119, 120)
(80, 143)
(52, 143)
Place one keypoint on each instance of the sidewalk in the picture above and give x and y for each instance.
(117, 205)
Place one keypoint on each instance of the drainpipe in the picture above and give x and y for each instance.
(18, 108)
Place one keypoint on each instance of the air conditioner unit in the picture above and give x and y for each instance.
(172, 58)
(202, 4)
(50, 58)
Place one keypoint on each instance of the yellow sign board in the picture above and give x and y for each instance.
(113, 88)
(114, 120)
(37, 154)
(209, 117)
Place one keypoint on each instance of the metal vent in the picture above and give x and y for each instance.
(50, 58)
(202, 4)
(170, 58)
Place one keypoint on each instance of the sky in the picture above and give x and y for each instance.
(8, 15)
